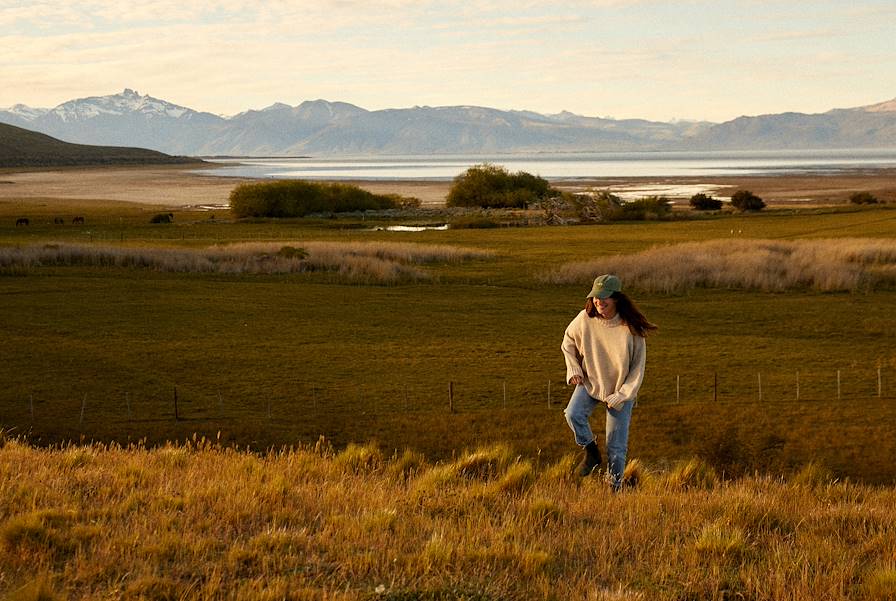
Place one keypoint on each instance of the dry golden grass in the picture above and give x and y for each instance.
(768, 265)
(204, 522)
(367, 262)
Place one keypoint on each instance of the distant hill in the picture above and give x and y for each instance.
(867, 127)
(25, 148)
(323, 128)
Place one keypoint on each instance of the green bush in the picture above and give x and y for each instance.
(744, 200)
(650, 207)
(863, 198)
(492, 186)
(703, 202)
(296, 198)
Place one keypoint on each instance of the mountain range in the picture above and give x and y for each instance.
(320, 127)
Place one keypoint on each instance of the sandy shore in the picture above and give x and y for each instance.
(177, 186)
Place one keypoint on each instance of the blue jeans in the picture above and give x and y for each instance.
(578, 411)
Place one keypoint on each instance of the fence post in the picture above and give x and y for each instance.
(127, 400)
(759, 375)
(677, 388)
(879, 387)
(176, 415)
(83, 404)
(549, 394)
(797, 384)
(451, 397)
(504, 387)
(715, 386)
(31, 402)
(838, 384)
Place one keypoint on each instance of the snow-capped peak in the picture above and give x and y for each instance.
(129, 101)
(25, 112)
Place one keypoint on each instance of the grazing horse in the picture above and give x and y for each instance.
(22, 221)
(77, 220)
(58, 221)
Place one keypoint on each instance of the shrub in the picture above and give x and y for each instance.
(651, 207)
(863, 198)
(703, 202)
(744, 200)
(492, 186)
(296, 198)
(474, 222)
(162, 218)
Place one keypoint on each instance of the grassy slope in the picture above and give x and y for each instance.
(199, 522)
(271, 360)
(25, 148)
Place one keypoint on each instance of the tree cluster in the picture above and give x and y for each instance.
(492, 186)
(744, 200)
(296, 198)
(863, 198)
(703, 202)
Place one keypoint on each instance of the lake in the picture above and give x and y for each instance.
(559, 165)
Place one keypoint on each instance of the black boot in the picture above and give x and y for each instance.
(590, 461)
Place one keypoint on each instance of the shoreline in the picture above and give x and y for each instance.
(178, 186)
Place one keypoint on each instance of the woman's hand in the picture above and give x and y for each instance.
(577, 380)
(614, 401)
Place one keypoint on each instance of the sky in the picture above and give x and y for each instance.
(663, 61)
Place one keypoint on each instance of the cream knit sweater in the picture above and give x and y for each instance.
(606, 354)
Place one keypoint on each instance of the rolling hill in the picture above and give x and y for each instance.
(25, 148)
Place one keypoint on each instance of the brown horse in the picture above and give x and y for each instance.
(22, 221)
(78, 220)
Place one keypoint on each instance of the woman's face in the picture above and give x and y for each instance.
(605, 306)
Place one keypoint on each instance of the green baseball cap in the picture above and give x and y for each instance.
(604, 286)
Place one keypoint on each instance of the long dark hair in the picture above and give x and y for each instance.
(628, 312)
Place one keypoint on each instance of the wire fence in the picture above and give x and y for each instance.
(293, 402)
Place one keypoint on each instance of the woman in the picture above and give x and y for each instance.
(605, 354)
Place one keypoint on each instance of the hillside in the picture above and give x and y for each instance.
(25, 148)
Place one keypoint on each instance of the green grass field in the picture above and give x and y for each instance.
(96, 353)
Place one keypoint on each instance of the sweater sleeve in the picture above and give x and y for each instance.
(629, 389)
(570, 350)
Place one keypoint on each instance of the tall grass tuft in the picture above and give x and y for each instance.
(484, 464)
(770, 265)
(693, 474)
(405, 466)
(634, 474)
(813, 476)
(518, 478)
(360, 458)
(721, 539)
(880, 584)
(39, 589)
